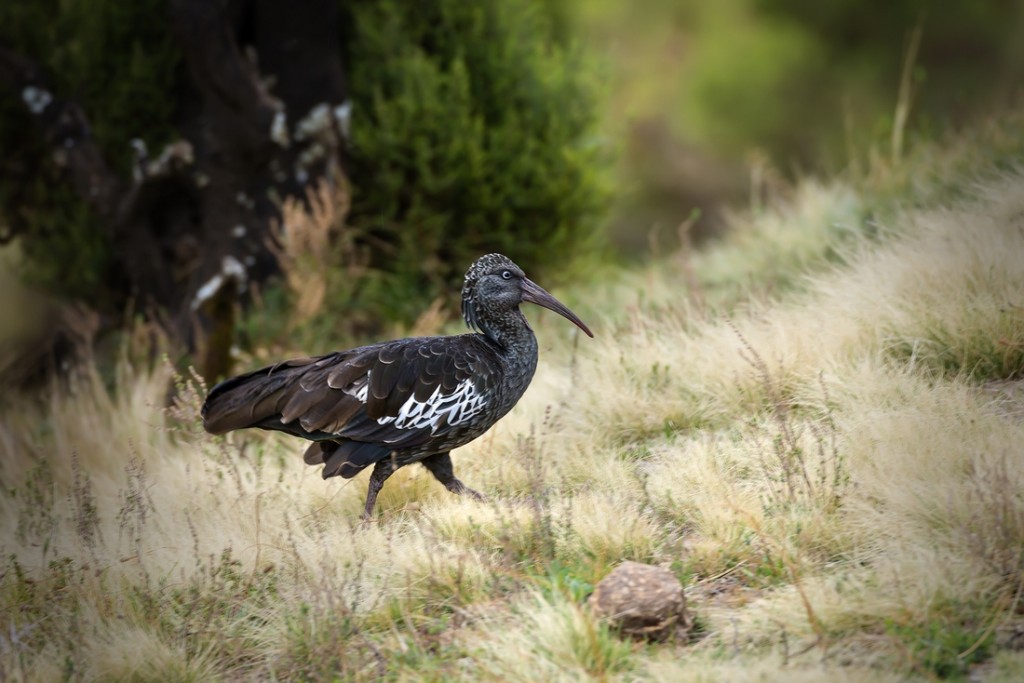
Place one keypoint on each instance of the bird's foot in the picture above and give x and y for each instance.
(461, 489)
(440, 466)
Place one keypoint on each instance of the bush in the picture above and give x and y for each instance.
(473, 130)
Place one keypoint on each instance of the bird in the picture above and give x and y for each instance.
(399, 402)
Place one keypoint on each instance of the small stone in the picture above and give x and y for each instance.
(642, 601)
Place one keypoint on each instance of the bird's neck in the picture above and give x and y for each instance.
(517, 348)
(512, 334)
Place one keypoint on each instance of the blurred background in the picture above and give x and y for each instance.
(711, 102)
(244, 176)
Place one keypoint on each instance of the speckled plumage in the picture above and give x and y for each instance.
(404, 401)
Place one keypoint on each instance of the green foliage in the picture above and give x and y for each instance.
(737, 91)
(118, 61)
(67, 250)
(565, 581)
(115, 58)
(945, 646)
(806, 79)
(473, 132)
(810, 84)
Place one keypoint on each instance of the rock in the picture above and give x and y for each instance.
(642, 601)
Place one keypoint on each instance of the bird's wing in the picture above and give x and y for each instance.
(370, 401)
(400, 394)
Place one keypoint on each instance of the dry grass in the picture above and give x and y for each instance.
(820, 457)
(312, 239)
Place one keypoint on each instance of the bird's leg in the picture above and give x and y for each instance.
(440, 466)
(381, 471)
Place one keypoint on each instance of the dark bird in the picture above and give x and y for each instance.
(404, 401)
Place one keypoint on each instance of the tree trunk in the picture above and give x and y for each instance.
(263, 114)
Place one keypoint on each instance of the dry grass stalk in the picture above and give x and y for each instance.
(313, 238)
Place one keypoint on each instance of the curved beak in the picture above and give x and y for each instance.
(536, 294)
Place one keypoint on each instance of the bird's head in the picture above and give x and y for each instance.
(495, 286)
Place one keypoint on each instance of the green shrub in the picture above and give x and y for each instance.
(473, 131)
(945, 646)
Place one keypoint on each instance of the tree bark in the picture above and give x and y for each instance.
(263, 115)
(66, 129)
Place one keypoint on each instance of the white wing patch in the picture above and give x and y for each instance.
(459, 406)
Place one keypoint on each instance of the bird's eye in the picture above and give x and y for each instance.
(506, 275)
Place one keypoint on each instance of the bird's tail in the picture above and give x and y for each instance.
(273, 398)
(250, 400)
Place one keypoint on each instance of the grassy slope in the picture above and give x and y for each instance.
(811, 424)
